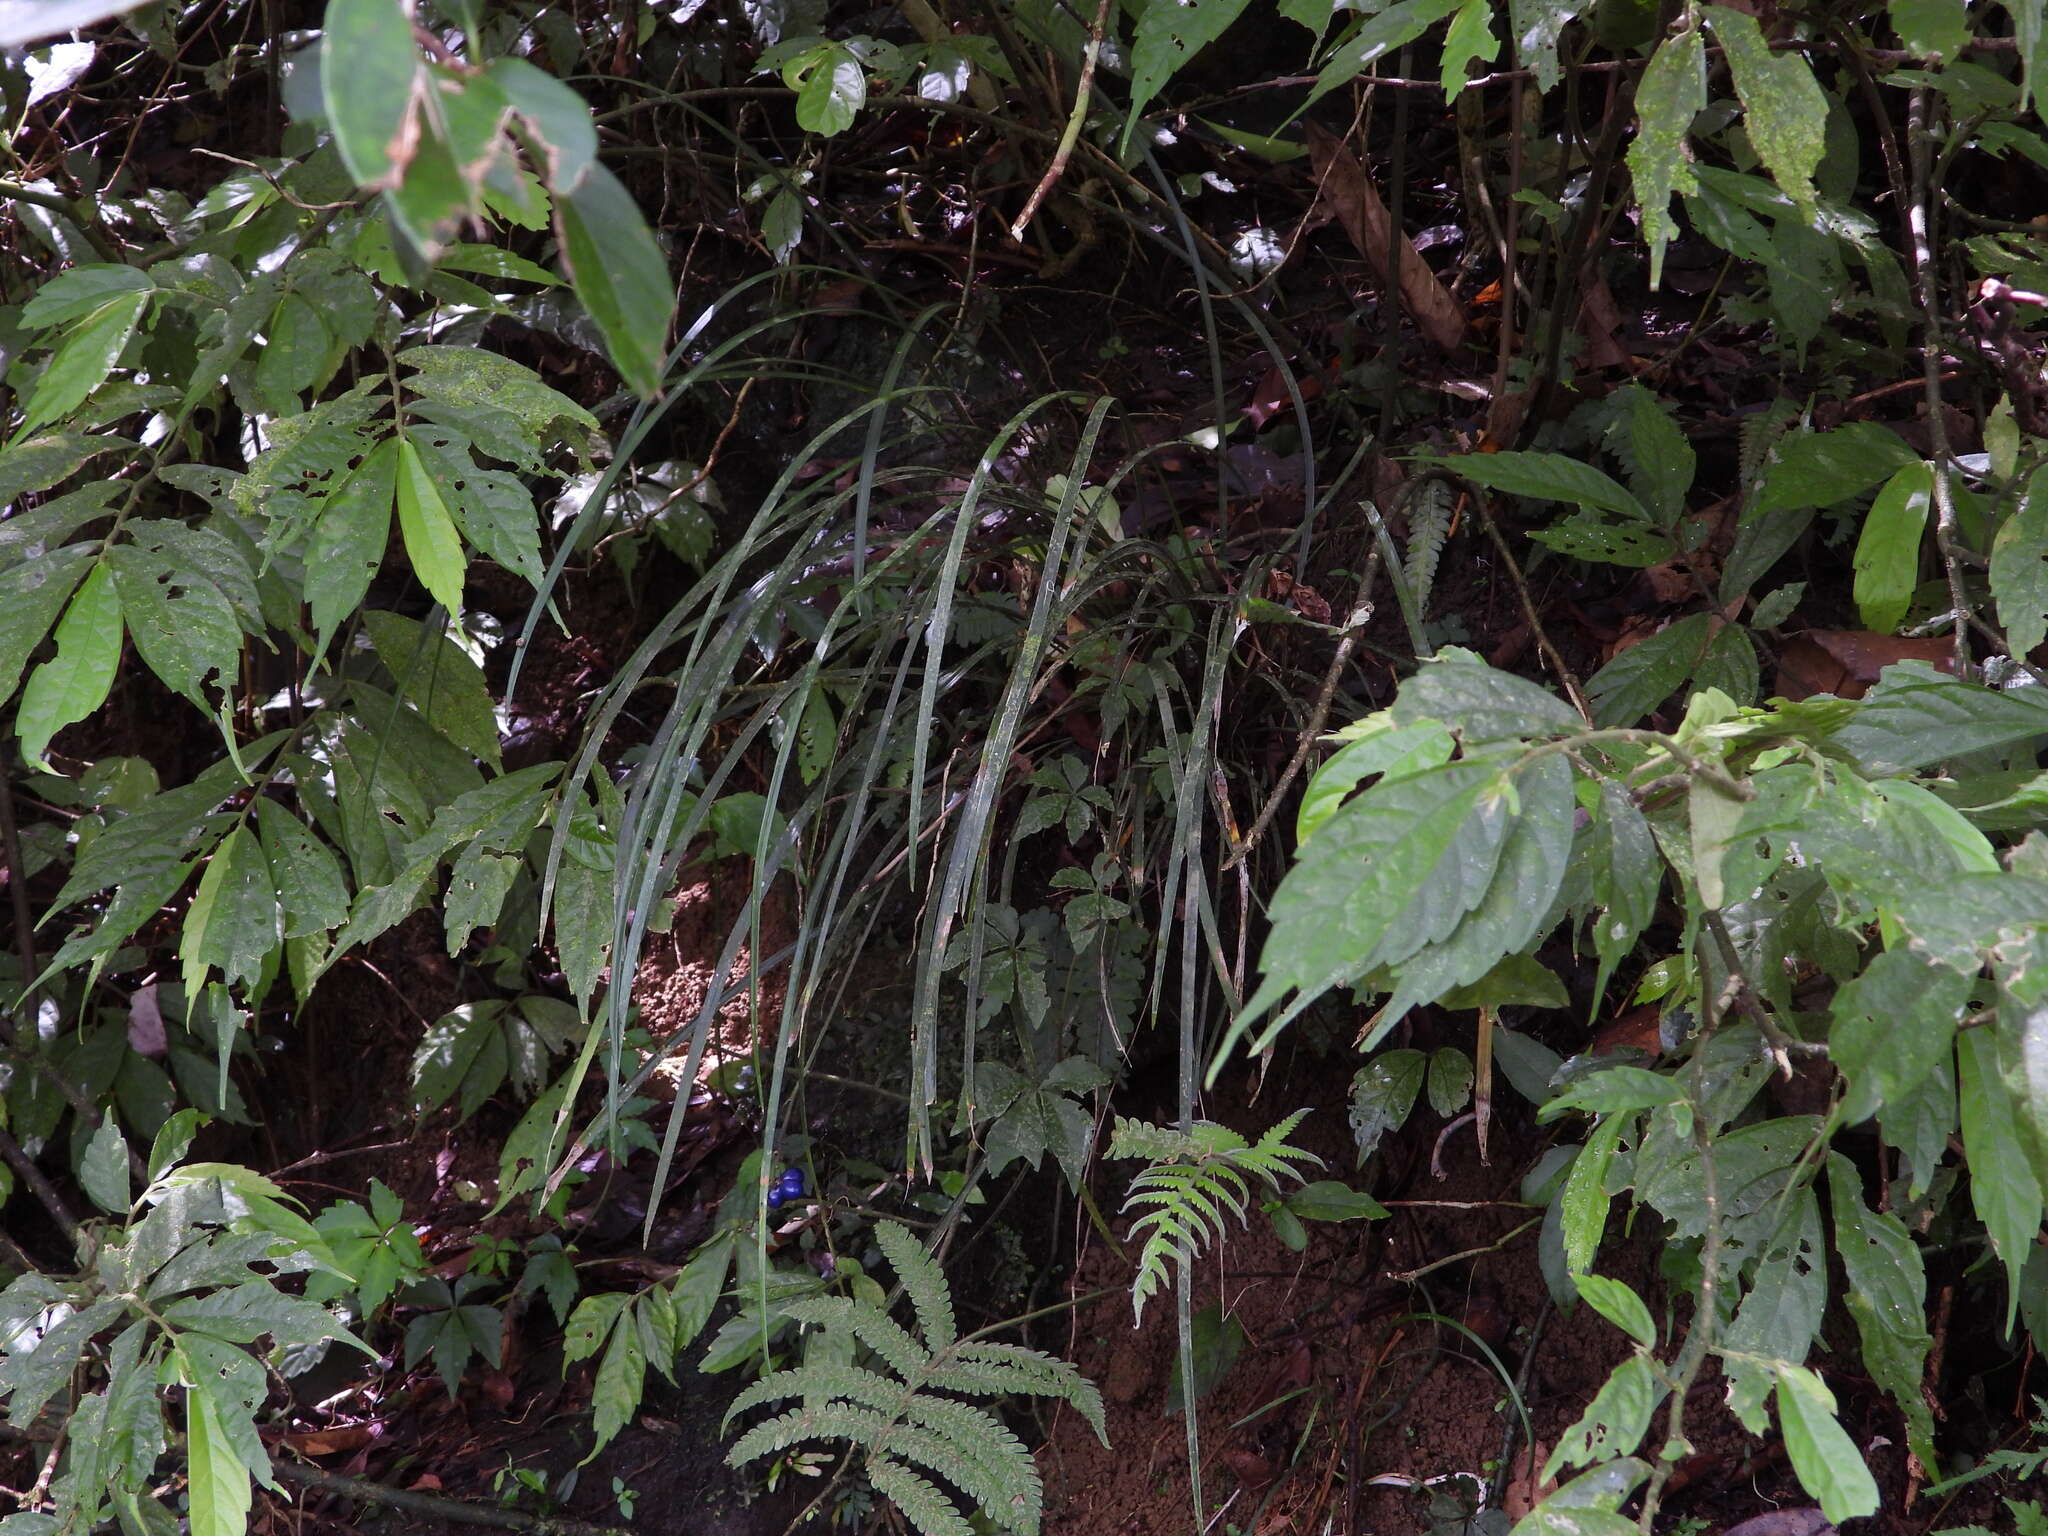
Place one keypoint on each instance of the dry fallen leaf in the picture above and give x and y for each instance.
(1350, 192)
(1845, 662)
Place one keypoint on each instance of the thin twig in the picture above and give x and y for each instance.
(45, 1191)
(1071, 134)
(1549, 652)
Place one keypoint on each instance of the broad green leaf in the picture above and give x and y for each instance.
(1588, 1505)
(1330, 1200)
(1398, 866)
(1646, 674)
(1388, 29)
(1888, 550)
(32, 594)
(1518, 981)
(308, 875)
(1614, 1423)
(1830, 1466)
(370, 80)
(2003, 1186)
(831, 87)
(295, 353)
(1383, 1092)
(348, 542)
(182, 624)
(220, 1497)
(2019, 568)
(620, 275)
(1455, 689)
(430, 540)
(1583, 1202)
(1536, 26)
(2022, 968)
(462, 1050)
(79, 291)
(1779, 1318)
(1546, 477)
(1390, 753)
(438, 680)
(1822, 469)
(1470, 37)
(1621, 1306)
(232, 924)
(494, 510)
(555, 114)
(1783, 106)
(1450, 1080)
(1887, 1295)
(42, 462)
(1893, 1025)
(104, 1168)
(1934, 29)
(1916, 716)
(621, 1376)
(83, 360)
(583, 925)
(1611, 1090)
(74, 682)
(1627, 875)
(1167, 37)
(1672, 93)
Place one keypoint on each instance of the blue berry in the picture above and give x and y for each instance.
(792, 1184)
(775, 1198)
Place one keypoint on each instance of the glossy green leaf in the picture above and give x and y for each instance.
(1383, 1092)
(1887, 1296)
(1583, 1202)
(82, 361)
(430, 540)
(1640, 678)
(1888, 550)
(620, 275)
(80, 291)
(371, 80)
(1615, 1422)
(831, 88)
(1386, 30)
(32, 595)
(1934, 29)
(1329, 1200)
(76, 680)
(1167, 38)
(232, 924)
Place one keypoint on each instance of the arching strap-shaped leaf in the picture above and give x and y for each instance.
(620, 275)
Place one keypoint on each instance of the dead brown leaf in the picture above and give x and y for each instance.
(1350, 193)
(1845, 662)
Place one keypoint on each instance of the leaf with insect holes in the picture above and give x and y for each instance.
(371, 81)
(1673, 92)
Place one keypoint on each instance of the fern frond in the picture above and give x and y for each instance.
(1026, 1370)
(923, 1279)
(1759, 434)
(819, 1380)
(1429, 527)
(927, 1509)
(870, 1324)
(822, 1421)
(1155, 1143)
(1011, 1503)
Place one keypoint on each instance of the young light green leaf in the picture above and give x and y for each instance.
(1783, 105)
(1621, 1306)
(830, 87)
(104, 1168)
(620, 275)
(220, 1497)
(1672, 93)
(1470, 37)
(1888, 551)
(82, 361)
(1583, 1202)
(370, 81)
(232, 924)
(1829, 1465)
(74, 682)
(2019, 568)
(430, 540)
